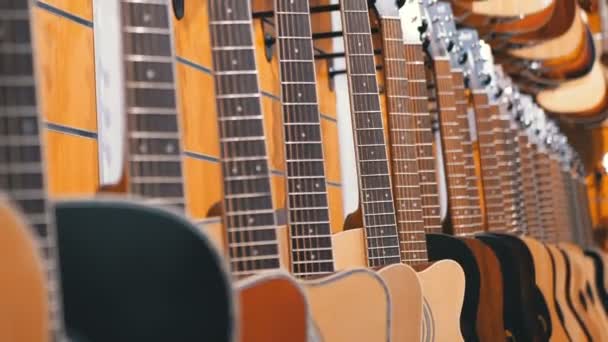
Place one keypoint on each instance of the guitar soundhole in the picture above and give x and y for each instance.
(582, 299)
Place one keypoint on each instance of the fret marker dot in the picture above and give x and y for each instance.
(317, 185)
(143, 148)
(423, 177)
(298, 186)
(170, 148)
(254, 251)
(310, 231)
(381, 231)
(147, 17)
(386, 195)
(414, 255)
(239, 109)
(150, 74)
(235, 62)
(235, 170)
(312, 256)
(229, 10)
(384, 252)
(303, 135)
(251, 220)
(359, 44)
(258, 168)
(299, 95)
(296, 50)
(402, 205)
(403, 137)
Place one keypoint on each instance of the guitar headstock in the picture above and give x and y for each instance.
(438, 43)
(467, 38)
(413, 23)
(387, 8)
(479, 79)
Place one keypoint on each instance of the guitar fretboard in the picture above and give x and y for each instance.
(311, 246)
(419, 109)
(475, 218)
(545, 208)
(403, 144)
(249, 218)
(529, 190)
(506, 159)
(451, 139)
(155, 162)
(22, 175)
(490, 176)
(375, 193)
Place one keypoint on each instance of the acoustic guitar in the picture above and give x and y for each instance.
(376, 213)
(272, 306)
(163, 280)
(441, 318)
(330, 294)
(526, 315)
(117, 299)
(537, 220)
(478, 317)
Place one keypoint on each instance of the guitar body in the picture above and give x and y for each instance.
(599, 269)
(545, 282)
(526, 317)
(582, 294)
(477, 322)
(137, 273)
(271, 307)
(24, 307)
(442, 304)
(354, 305)
(404, 319)
(572, 321)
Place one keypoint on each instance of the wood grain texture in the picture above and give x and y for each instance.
(72, 165)
(66, 71)
(24, 308)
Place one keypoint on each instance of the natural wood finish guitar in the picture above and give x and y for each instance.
(362, 317)
(249, 220)
(439, 321)
(24, 305)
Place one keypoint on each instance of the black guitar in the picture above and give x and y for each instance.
(125, 271)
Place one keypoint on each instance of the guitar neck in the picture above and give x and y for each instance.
(542, 168)
(249, 218)
(419, 109)
(505, 158)
(490, 176)
(375, 192)
(451, 139)
(403, 144)
(529, 189)
(307, 202)
(154, 158)
(462, 105)
(22, 174)
(559, 202)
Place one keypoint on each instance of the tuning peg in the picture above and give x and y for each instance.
(450, 45)
(463, 58)
(424, 25)
(485, 79)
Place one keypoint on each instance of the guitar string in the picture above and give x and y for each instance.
(391, 30)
